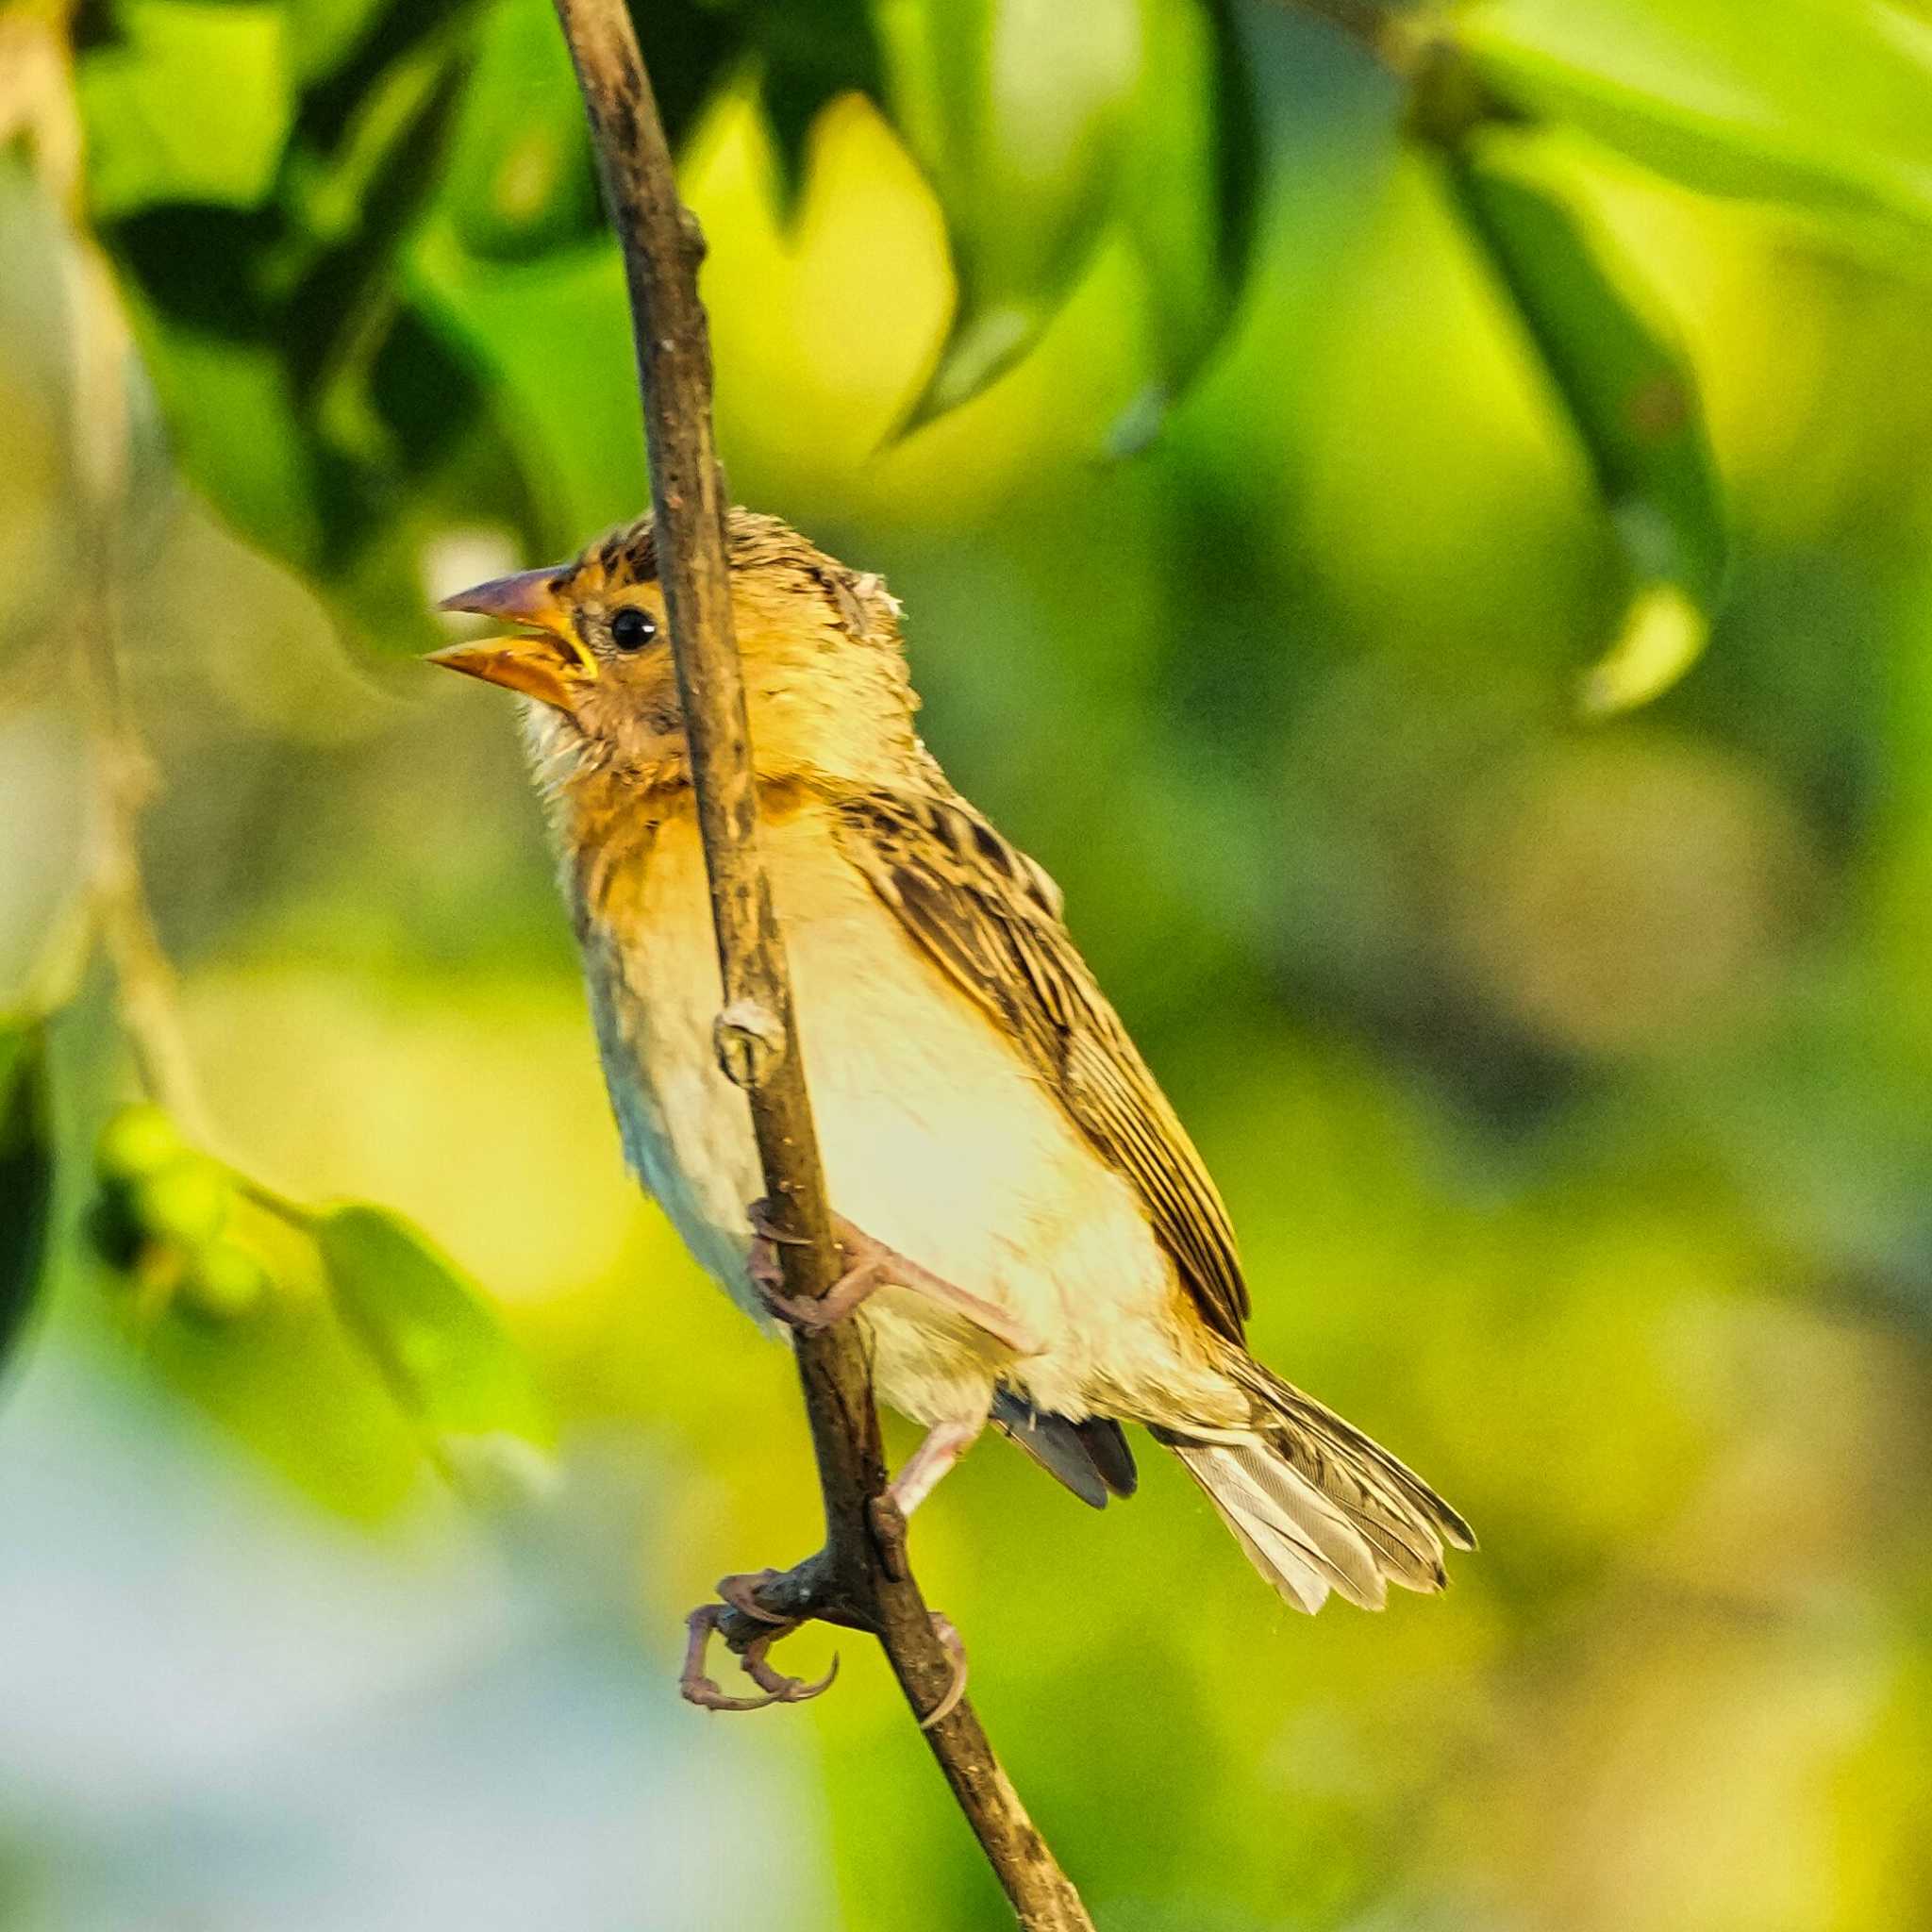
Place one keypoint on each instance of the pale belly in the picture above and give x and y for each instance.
(937, 1140)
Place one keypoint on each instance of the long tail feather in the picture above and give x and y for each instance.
(1317, 1506)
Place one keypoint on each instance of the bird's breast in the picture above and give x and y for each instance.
(938, 1137)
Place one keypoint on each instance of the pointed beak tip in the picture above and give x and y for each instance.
(529, 597)
(538, 667)
(542, 660)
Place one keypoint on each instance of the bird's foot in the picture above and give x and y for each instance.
(767, 1273)
(741, 1590)
(870, 1266)
(956, 1650)
(888, 1535)
(740, 1593)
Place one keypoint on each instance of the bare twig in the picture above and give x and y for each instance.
(115, 890)
(117, 893)
(860, 1578)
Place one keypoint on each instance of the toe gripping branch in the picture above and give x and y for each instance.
(754, 1609)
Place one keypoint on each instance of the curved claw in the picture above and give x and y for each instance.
(695, 1683)
(779, 1689)
(767, 1274)
(760, 1213)
(956, 1649)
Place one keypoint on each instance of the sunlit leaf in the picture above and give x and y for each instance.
(1663, 634)
(190, 102)
(442, 1348)
(1015, 110)
(521, 177)
(1819, 103)
(1628, 391)
(27, 1175)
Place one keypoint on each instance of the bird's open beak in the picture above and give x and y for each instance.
(543, 660)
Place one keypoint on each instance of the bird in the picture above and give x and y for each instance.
(1032, 1241)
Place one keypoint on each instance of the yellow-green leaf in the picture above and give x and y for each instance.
(1188, 184)
(1822, 104)
(440, 1347)
(1663, 634)
(191, 104)
(1628, 391)
(1014, 108)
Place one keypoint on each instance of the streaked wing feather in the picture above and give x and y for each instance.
(991, 917)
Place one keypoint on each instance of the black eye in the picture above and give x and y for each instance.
(631, 629)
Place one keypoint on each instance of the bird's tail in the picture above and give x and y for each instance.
(1316, 1505)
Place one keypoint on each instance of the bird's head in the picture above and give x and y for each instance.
(824, 674)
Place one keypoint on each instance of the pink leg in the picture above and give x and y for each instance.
(872, 1265)
(944, 1444)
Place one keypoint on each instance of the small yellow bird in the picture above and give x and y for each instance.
(1032, 1239)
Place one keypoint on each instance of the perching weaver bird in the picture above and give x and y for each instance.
(1032, 1239)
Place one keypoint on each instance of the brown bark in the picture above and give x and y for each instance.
(856, 1580)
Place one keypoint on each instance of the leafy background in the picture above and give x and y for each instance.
(1427, 542)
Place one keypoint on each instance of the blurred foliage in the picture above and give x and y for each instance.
(1566, 1075)
(1631, 395)
(26, 1173)
(443, 1350)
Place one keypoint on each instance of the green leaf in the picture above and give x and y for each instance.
(810, 55)
(1663, 634)
(1015, 111)
(522, 179)
(591, 453)
(334, 416)
(189, 102)
(322, 35)
(1628, 391)
(443, 1349)
(1822, 104)
(27, 1175)
(1189, 185)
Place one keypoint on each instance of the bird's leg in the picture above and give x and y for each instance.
(919, 1475)
(943, 1445)
(870, 1266)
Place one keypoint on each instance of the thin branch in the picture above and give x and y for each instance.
(122, 775)
(861, 1577)
(123, 784)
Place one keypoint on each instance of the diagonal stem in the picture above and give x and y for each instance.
(757, 1038)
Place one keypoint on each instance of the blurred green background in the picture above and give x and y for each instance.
(1566, 1078)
